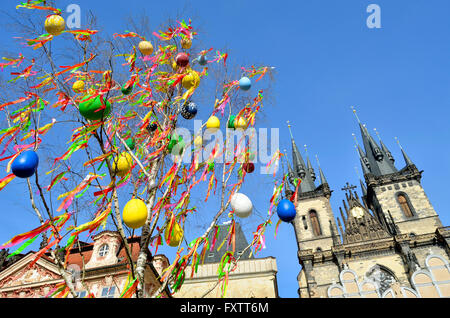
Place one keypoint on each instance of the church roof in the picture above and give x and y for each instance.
(215, 256)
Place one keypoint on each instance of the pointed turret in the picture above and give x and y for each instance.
(363, 188)
(405, 156)
(379, 161)
(323, 180)
(309, 166)
(307, 183)
(385, 150)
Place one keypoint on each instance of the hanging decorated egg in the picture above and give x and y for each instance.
(198, 141)
(135, 213)
(191, 80)
(240, 123)
(54, 25)
(145, 47)
(186, 43)
(231, 122)
(122, 164)
(202, 60)
(89, 109)
(249, 167)
(176, 145)
(25, 164)
(189, 110)
(152, 127)
(176, 235)
(130, 143)
(286, 210)
(78, 86)
(126, 90)
(182, 59)
(245, 83)
(213, 123)
(241, 205)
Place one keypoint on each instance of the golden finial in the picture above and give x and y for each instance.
(289, 126)
(354, 112)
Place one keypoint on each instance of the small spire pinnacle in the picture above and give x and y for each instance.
(405, 156)
(309, 165)
(323, 180)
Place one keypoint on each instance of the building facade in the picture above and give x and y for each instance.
(388, 242)
(252, 277)
(99, 269)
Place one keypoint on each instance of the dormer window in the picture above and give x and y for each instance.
(104, 249)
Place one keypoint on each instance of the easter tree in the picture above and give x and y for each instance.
(122, 106)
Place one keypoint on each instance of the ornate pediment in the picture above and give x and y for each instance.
(21, 273)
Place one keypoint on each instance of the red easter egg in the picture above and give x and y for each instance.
(248, 167)
(182, 59)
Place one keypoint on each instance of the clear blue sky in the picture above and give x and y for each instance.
(327, 60)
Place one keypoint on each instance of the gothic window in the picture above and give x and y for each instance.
(405, 205)
(382, 277)
(315, 223)
(103, 250)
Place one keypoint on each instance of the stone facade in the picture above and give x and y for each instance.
(390, 243)
(252, 278)
(98, 270)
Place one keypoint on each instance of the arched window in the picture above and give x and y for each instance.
(381, 276)
(405, 205)
(315, 223)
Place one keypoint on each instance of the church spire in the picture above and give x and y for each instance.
(309, 166)
(405, 156)
(384, 148)
(307, 183)
(363, 188)
(323, 180)
(380, 164)
(365, 165)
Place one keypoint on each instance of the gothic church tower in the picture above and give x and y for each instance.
(390, 243)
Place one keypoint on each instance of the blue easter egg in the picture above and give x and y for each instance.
(189, 111)
(245, 83)
(286, 210)
(25, 164)
(202, 60)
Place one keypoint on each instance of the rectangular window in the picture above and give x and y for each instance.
(108, 292)
(81, 294)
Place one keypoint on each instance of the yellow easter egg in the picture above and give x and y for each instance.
(191, 80)
(213, 123)
(198, 141)
(186, 43)
(176, 237)
(240, 123)
(145, 47)
(122, 164)
(54, 24)
(135, 213)
(78, 86)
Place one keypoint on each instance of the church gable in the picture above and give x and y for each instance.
(21, 273)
